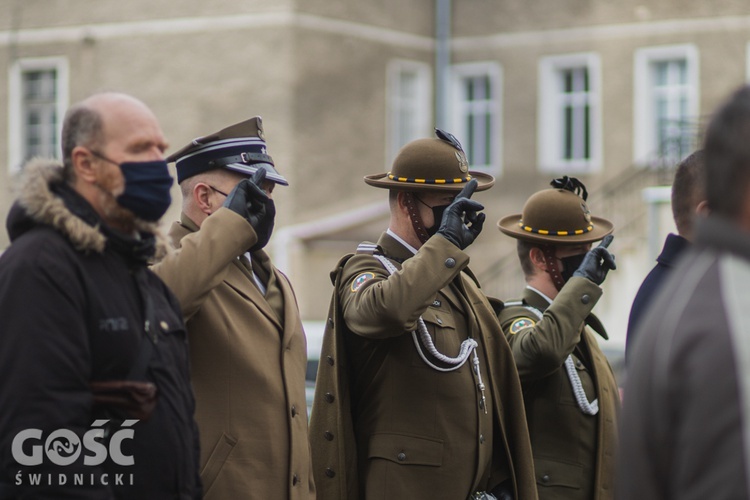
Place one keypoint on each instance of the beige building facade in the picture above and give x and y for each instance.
(614, 93)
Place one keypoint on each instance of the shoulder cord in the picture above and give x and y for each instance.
(468, 346)
(591, 408)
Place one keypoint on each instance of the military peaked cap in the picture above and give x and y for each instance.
(430, 164)
(240, 148)
(557, 216)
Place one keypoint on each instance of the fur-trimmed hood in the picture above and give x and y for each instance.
(39, 204)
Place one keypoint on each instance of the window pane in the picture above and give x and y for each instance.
(39, 116)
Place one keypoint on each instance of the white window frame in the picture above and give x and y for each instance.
(494, 72)
(421, 106)
(15, 99)
(550, 130)
(645, 148)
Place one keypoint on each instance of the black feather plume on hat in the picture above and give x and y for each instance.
(571, 184)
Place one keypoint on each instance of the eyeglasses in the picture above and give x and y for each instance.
(102, 157)
(217, 190)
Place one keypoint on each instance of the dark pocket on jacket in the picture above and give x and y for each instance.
(216, 461)
(554, 473)
(407, 450)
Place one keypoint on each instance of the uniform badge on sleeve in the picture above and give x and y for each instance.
(360, 280)
(520, 324)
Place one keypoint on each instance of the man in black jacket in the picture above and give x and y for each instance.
(95, 394)
(688, 200)
(685, 424)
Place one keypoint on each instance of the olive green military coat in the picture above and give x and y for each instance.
(386, 425)
(248, 360)
(573, 452)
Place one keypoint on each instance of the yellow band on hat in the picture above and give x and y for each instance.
(429, 181)
(546, 232)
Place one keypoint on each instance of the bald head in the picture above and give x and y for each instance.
(97, 119)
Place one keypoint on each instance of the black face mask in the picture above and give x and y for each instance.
(437, 214)
(570, 264)
(264, 230)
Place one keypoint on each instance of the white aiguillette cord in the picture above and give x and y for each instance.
(468, 346)
(591, 408)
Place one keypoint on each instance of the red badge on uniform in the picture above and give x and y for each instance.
(520, 324)
(360, 280)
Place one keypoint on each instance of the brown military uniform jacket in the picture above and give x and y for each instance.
(249, 357)
(384, 423)
(573, 452)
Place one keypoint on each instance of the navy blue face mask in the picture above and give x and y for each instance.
(147, 185)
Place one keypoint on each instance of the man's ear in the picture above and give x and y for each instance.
(537, 258)
(702, 208)
(202, 198)
(83, 164)
(401, 200)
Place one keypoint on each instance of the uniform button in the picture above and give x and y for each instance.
(545, 479)
(330, 322)
(330, 360)
(401, 456)
(439, 321)
(294, 410)
(585, 299)
(295, 480)
(579, 364)
(450, 262)
(481, 439)
(330, 472)
(164, 326)
(329, 397)
(328, 435)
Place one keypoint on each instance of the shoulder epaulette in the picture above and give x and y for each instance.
(367, 248)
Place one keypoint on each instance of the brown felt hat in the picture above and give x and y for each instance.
(240, 147)
(557, 216)
(431, 164)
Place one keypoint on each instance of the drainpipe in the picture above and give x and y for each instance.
(442, 61)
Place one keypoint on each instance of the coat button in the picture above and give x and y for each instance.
(329, 397)
(450, 262)
(330, 472)
(481, 439)
(545, 479)
(578, 364)
(330, 322)
(401, 456)
(294, 410)
(328, 435)
(295, 480)
(585, 299)
(329, 359)
(439, 321)
(164, 325)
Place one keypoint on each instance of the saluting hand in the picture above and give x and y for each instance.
(249, 200)
(597, 262)
(462, 222)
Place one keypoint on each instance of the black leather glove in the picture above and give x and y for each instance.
(461, 222)
(249, 200)
(597, 262)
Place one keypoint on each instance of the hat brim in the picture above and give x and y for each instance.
(484, 181)
(511, 225)
(271, 173)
